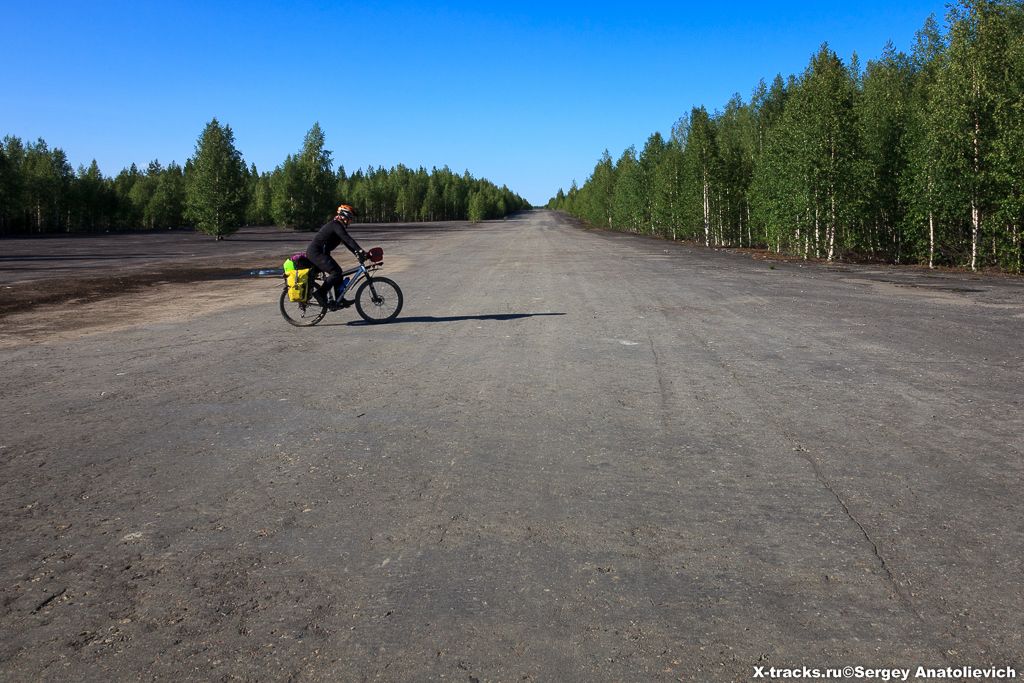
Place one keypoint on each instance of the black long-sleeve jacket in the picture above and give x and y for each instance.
(329, 236)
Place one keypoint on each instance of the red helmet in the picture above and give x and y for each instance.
(347, 212)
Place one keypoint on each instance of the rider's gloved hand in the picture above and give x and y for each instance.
(361, 255)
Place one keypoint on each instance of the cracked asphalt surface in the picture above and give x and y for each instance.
(577, 455)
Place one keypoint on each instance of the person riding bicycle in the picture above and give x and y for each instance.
(329, 236)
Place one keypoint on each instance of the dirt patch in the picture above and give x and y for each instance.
(150, 304)
(76, 269)
(89, 305)
(22, 297)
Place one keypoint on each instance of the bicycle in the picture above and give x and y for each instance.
(377, 299)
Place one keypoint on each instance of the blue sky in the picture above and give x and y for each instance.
(526, 94)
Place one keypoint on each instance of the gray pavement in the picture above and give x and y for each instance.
(576, 456)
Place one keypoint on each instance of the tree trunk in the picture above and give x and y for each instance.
(832, 229)
(707, 212)
(672, 194)
(750, 234)
(975, 211)
(720, 237)
(1016, 241)
(817, 228)
(931, 239)
(803, 248)
(975, 229)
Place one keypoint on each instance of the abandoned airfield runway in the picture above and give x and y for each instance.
(576, 455)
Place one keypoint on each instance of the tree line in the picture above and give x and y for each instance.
(216, 192)
(914, 158)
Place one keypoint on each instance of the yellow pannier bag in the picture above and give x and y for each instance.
(298, 285)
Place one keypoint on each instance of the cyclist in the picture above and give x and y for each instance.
(329, 236)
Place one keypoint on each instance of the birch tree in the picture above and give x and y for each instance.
(920, 185)
(702, 155)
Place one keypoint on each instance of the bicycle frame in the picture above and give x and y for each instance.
(355, 275)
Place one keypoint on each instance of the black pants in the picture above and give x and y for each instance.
(325, 263)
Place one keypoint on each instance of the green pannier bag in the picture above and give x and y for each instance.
(298, 285)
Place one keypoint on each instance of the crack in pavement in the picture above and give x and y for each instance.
(787, 432)
(897, 589)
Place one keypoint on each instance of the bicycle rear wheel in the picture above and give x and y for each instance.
(301, 314)
(378, 300)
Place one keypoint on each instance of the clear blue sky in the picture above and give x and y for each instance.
(526, 94)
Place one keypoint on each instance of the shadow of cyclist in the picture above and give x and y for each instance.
(456, 318)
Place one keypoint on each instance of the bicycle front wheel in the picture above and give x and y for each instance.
(301, 314)
(378, 300)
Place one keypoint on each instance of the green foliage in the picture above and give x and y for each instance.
(401, 194)
(919, 187)
(47, 179)
(883, 120)
(215, 183)
(1008, 151)
(916, 158)
(670, 175)
(701, 155)
(650, 159)
(600, 198)
(477, 207)
(217, 193)
(166, 204)
(92, 203)
(302, 189)
(12, 155)
(260, 190)
(628, 197)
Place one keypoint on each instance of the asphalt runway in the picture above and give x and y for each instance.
(577, 455)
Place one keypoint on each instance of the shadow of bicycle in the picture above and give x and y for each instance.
(457, 318)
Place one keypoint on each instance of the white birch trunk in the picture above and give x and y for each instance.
(806, 241)
(672, 213)
(750, 234)
(817, 228)
(975, 224)
(1016, 241)
(721, 222)
(975, 211)
(720, 237)
(707, 211)
(931, 239)
(832, 230)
